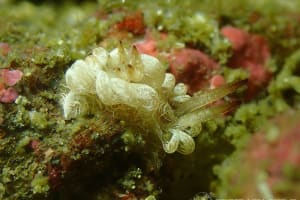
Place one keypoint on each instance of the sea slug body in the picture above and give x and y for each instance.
(126, 84)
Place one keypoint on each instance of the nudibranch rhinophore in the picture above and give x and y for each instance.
(136, 88)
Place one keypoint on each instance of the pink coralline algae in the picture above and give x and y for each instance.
(189, 66)
(9, 78)
(4, 49)
(149, 44)
(270, 162)
(278, 156)
(192, 67)
(251, 52)
(217, 81)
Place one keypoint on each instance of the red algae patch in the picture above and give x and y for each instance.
(133, 23)
(217, 81)
(4, 48)
(192, 67)
(149, 44)
(9, 78)
(251, 52)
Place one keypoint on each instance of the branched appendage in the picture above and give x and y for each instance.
(129, 84)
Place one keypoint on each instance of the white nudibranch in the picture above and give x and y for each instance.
(126, 83)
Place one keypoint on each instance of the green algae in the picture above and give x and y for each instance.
(194, 27)
(40, 184)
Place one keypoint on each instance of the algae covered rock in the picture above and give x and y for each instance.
(270, 163)
(126, 112)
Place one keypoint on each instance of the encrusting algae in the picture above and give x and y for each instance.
(135, 88)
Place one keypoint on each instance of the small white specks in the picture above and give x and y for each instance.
(82, 52)
(159, 12)
(200, 18)
(60, 42)
(286, 80)
(160, 27)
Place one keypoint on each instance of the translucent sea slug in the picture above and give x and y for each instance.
(135, 88)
